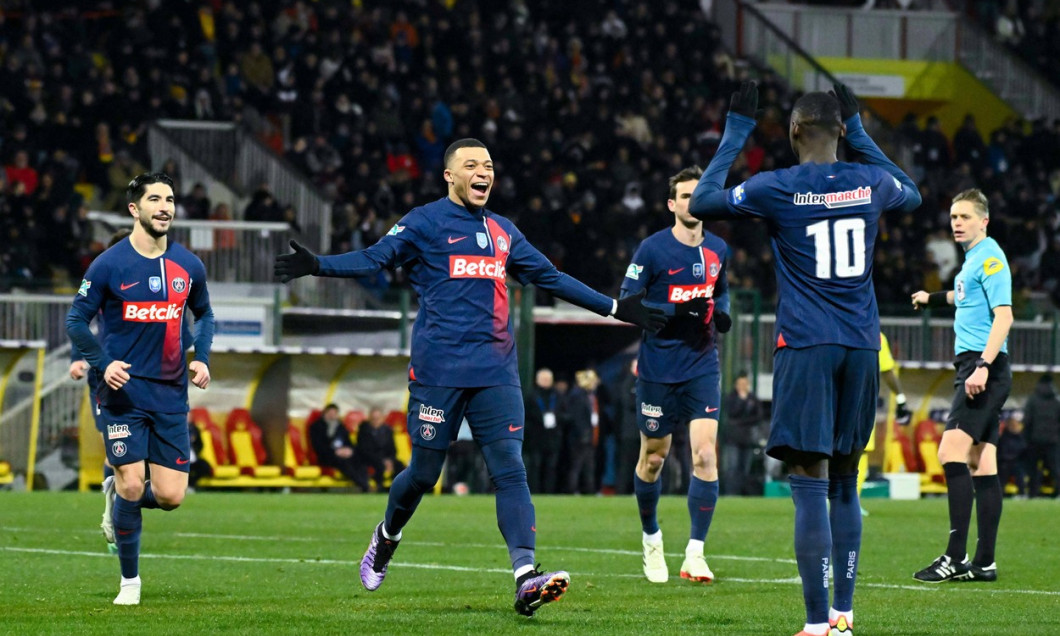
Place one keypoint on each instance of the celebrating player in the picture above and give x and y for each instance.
(822, 217)
(679, 377)
(983, 296)
(458, 256)
(142, 286)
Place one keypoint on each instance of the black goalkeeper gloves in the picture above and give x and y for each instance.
(848, 103)
(745, 101)
(288, 267)
(631, 309)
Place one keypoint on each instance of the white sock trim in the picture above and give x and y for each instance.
(133, 581)
(522, 570)
(694, 547)
(820, 629)
(833, 614)
(392, 537)
(652, 538)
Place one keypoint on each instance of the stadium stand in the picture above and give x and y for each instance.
(583, 130)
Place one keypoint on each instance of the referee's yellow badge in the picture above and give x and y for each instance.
(992, 266)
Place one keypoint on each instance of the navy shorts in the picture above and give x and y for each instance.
(492, 412)
(980, 416)
(133, 435)
(824, 400)
(662, 407)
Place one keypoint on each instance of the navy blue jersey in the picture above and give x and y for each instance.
(674, 273)
(823, 221)
(142, 302)
(458, 262)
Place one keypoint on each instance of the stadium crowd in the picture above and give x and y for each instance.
(586, 120)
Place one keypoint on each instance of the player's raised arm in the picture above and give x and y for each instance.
(709, 200)
(860, 141)
(397, 247)
(528, 265)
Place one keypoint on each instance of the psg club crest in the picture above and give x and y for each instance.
(427, 432)
(119, 449)
(502, 244)
(652, 425)
(697, 270)
(713, 270)
(482, 239)
(155, 283)
(179, 284)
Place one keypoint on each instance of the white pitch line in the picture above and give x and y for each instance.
(461, 568)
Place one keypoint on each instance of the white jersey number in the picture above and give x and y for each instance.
(845, 242)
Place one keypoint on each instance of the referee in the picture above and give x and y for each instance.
(968, 453)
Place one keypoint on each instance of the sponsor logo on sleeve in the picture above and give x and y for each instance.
(650, 410)
(397, 229)
(738, 194)
(476, 267)
(832, 200)
(685, 293)
(151, 311)
(992, 266)
(634, 270)
(117, 431)
(85, 286)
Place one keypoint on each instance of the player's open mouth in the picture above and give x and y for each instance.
(481, 187)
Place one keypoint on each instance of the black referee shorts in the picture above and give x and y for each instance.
(980, 416)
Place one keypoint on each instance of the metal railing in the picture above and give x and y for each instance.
(927, 342)
(165, 143)
(241, 160)
(877, 34)
(1010, 77)
(232, 251)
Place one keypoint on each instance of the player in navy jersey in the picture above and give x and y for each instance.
(822, 217)
(141, 287)
(983, 296)
(458, 256)
(678, 373)
(79, 368)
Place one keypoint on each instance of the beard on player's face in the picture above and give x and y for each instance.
(147, 224)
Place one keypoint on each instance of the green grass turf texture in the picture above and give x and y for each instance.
(249, 563)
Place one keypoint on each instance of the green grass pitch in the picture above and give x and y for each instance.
(235, 563)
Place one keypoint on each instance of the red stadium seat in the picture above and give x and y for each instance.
(352, 421)
(213, 450)
(245, 447)
(397, 419)
(296, 460)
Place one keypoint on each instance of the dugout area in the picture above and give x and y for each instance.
(21, 380)
(253, 419)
